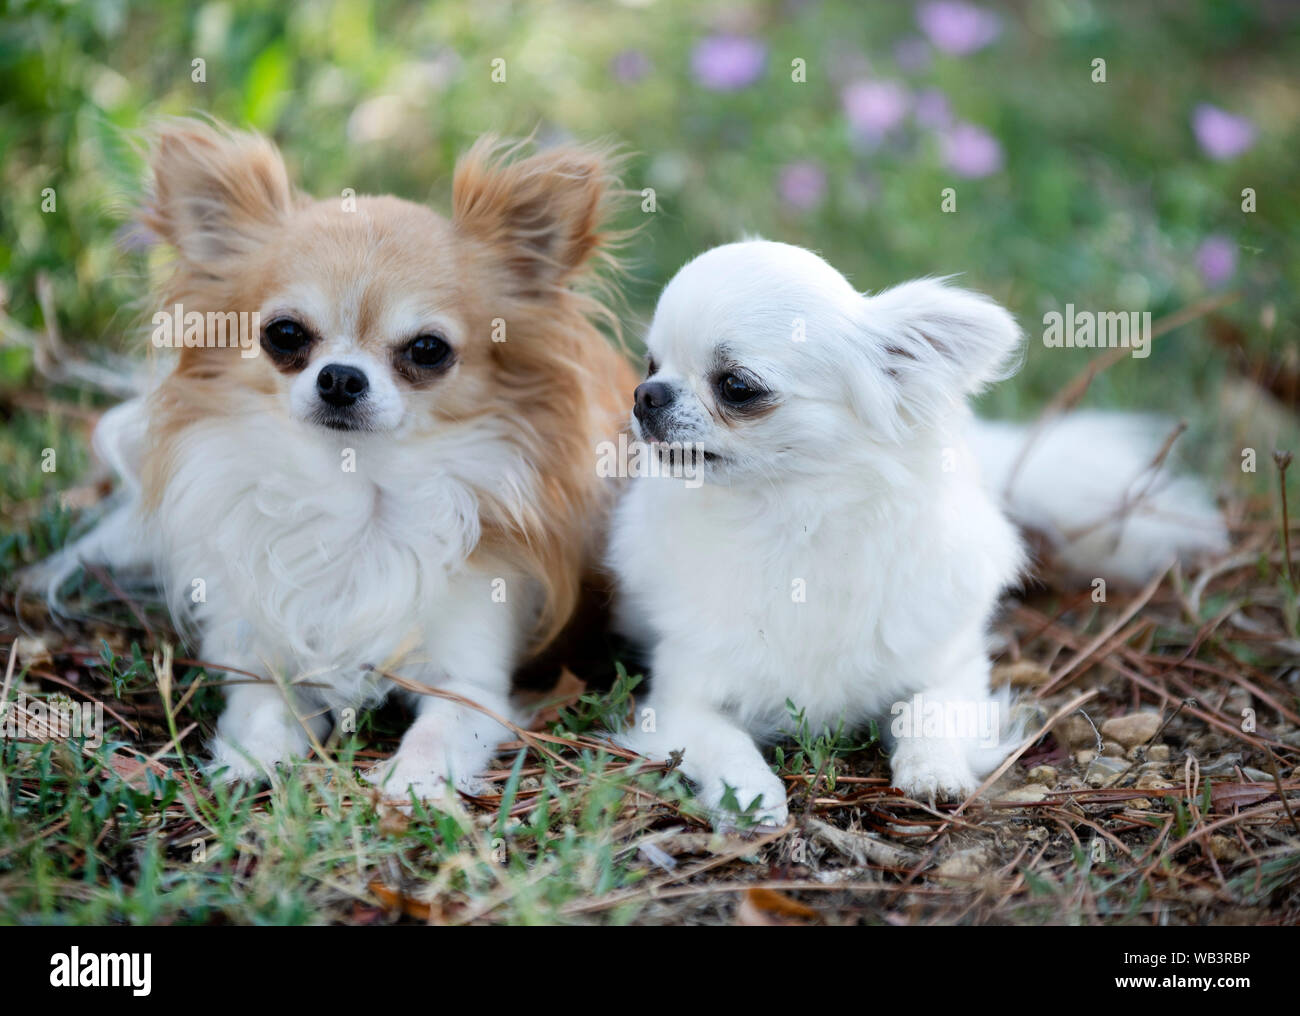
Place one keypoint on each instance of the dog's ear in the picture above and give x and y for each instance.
(933, 345)
(216, 193)
(540, 216)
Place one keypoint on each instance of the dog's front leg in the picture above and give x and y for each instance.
(449, 743)
(931, 768)
(716, 753)
(261, 726)
(473, 648)
(941, 737)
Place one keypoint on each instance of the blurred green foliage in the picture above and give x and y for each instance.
(1103, 199)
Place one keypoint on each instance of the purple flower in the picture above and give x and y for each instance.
(629, 66)
(912, 54)
(971, 151)
(1216, 260)
(1222, 135)
(728, 63)
(931, 109)
(957, 27)
(802, 185)
(874, 108)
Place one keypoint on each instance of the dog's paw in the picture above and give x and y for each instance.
(402, 776)
(938, 776)
(230, 765)
(252, 749)
(751, 785)
(427, 775)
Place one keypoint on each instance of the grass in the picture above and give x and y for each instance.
(1197, 826)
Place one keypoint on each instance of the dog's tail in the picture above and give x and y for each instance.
(1096, 486)
(121, 538)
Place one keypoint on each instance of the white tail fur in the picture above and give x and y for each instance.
(121, 538)
(1090, 482)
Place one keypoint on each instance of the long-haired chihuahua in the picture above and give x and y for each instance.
(396, 474)
(854, 528)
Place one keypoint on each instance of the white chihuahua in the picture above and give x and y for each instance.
(845, 551)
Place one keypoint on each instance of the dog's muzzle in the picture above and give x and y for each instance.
(653, 400)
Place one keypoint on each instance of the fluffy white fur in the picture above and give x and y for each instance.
(308, 569)
(1087, 482)
(845, 551)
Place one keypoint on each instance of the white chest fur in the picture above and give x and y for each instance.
(842, 597)
(318, 555)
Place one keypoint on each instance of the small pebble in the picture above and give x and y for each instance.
(1028, 794)
(1133, 729)
(1152, 781)
(1105, 770)
(1075, 731)
(1043, 774)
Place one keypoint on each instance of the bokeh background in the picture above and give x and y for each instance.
(1122, 194)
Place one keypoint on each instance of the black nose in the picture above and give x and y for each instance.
(341, 385)
(652, 396)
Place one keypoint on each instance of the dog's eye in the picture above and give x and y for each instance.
(736, 389)
(651, 368)
(428, 351)
(285, 337)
